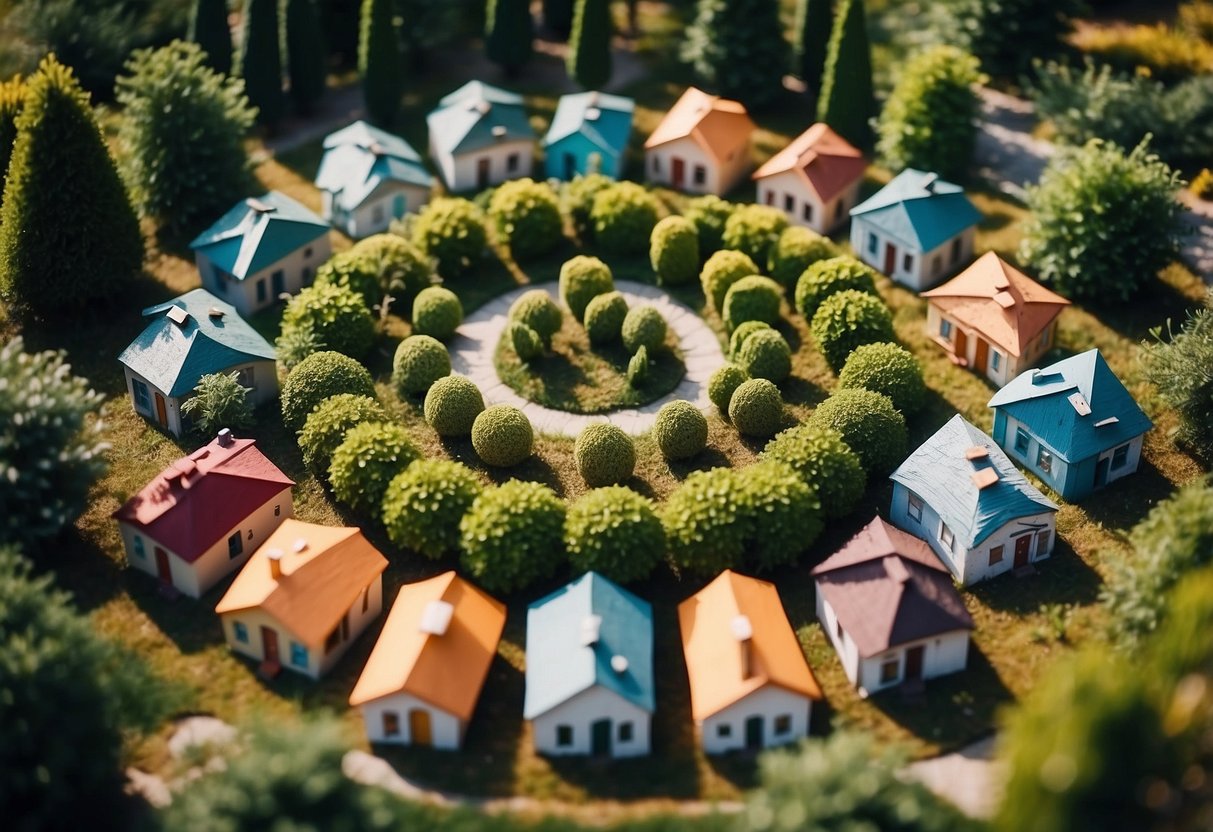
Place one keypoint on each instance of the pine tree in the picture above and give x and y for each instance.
(12, 99)
(380, 62)
(814, 22)
(558, 16)
(847, 102)
(209, 29)
(68, 234)
(508, 34)
(305, 54)
(589, 61)
(738, 50)
(261, 60)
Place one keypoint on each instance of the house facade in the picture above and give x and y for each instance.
(589, 134)
(702, 146)
(814, 180)
(480, 136)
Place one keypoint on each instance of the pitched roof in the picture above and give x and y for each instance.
(445, 669)
(478, 115)
(324, 569)
(1044, 401)
(174, 356)
(888, 588)
(606, 120)
(941, 471)
(559, 662)
(258, 232)
(720, 126)
(189, 505)
(359, 158)
(712, 648)
(827, 162)
(919, 209)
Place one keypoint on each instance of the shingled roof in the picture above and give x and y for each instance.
(827, 162)
(478, 115)
(919, 209)
(258, 232)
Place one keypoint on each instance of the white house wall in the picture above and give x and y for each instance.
(942, 654)
(719, 179)
(844, 645)
(459, 172)
(264, 389)
(580, 712)
(1131, 460)
(768, 702)
(298, 270)
(1009, 365)
(926, 269)
(446, 730)
(363, 221)
(773, 189)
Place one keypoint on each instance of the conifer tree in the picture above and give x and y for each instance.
(814, 22)
(847, 102)
(12, 98)
(508, 32)
(261, 60)
(589, 62)
(305, 54)
(558, 16)
(738, 50)
(379, 61)
(209, 29)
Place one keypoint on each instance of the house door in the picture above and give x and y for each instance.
(678, 172)
(1022, 544)
(1101, 472)
(890, 258)
(399, 204)
(269, 646)
(161, 412)
(482, 173)
(982, 353)
(162, 568)
(570, 166)
(961, 350)
(753, 733)
(600, 737)
(420, 732)
(277, 283)
(914, 664)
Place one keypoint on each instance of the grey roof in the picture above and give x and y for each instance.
(478, 115)
(359, 158)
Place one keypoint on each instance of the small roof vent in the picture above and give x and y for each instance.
(498, 131)
(299, 546)
(1103, 423)
(260, 207)
(984, 478)
(376, 148)
(215, 312)
(1044, 377)
(177, 315)
(619, 664)
(975, 452)
(741, 628)
(590, 627)
(593, 114)
(929, 181)
(436, 618)
(224, 438)
(1004, 299)
(481, 106)
(1080, 405)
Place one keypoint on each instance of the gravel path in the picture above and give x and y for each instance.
(969, 778)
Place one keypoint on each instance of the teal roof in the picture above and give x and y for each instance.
(606, 120)
(258, 232)
(359, 158)
(478, 115)
(1041, 400)
(919, 209)
(942, 475)
(559, 665)
(174, 356)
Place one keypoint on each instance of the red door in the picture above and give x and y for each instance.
(1022, 544)
(269, 645)
(162, 567)
(890, 258)
(161, 415)
(678, 172)
(979, 359)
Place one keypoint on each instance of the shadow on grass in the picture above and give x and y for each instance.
(705, 460)
(1158, 301)
(1125, 502)
(1062, 578)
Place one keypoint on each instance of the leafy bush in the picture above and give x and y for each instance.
(824, 461)
(638, 367)
(452, 404)
(326, 426)
(526, 342)
(722, 383)
(1202, 185)
(723, 269)
(889, 369)
(381, 266)
(604, 454)
(437, 313)
(643, 327)
(680, 430)
(752, 298)
(536, 309)
(765, 354)
(829, 277)
(624, 215)
(526, 216)
(604, 316)
(370, 456)
(756, 408)
(848, 320)
(709, 214)
(754, 230)
(294, 345)
(614, 531)
(577, 200)
(1008, 35)
(419, 361)
(869, 424)
(219, 401)
(335, 315)
(1170, 55)
(796, 249)
(743, 331)
(674, 251)
(513, 536)
(424, 505)
(451, 231)
(320, 376)
(581, 280)
(502, 436)
(782, 513)
(1180, 369)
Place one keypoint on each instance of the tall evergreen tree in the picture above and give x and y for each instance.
(68, 234)
(379, 61)
(558, 16)
(209, 29)
(12, 99)
(847, 102)
(306, 58)
(261, 60)
(814, 22)
(589, 61)
(508, 32)
(738, 50)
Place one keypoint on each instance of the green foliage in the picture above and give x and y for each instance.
(709, 214)
(577, 201)
(370, 456)
(589, 60)
(558, 16)
(754, 230)
(869, 425)
(582, 279)
(638, 367)
(1168, 54)
(847, 102)
(743, 331)
(526, 342)
(604, 454)
(437, 312)
(526, 215)
(723, 383)
(722, 270)
(451, 231)
(306, 67)
(12, 100)
(502, 436)
(829, 277)
(294, 345)
(765, 354)
(614, 531)
(1007, 35)
(508, 34)
(737, 48)
(316, 378)
(208, 28)
(335, 314)
(513, 536)
(680, 431)
(752, 298)
(1103, 222)
(643, 327)
(1202, 185)
(604, 316)
(260, 60)
(419, 361)
(674, 251)
(219, 401)
(849, 319)
(452, 404)
(380, 63)
(325, 427)
(536, 309)
(756, 408)
(811, 40)
(424, 505)
(886, 368)
(783, 514)
(623, 217)
(377, 267)
(796, 249)
(1180, 368)
(825, 462)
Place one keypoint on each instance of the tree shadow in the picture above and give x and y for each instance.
(1062, 578)
(1158, 302)
(1125, 502)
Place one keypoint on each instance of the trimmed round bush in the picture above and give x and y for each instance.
(823, 460)
(326, 426)
(616, 532)
(502, 436)
(451, 231)
(674, 251)
(537, 310)
(765, 354)
(526, 342)
(380, 265)
(604, 454)
(643, 327)
(680, 431)
(889, 369)
(743, 331)
(708, 213)
(513, 536)
(424, 504)
(869, 424)
(829, 277)
(367, 460)
(723, 269)
(754, 230)
(452, 404)
(420, 361)
(604, 316)
(781, 513)
(726, 379)
(638, 367)
(319, 376)
(796, 249)
(581, 280)
(526, 217)
(846, 321)
(336, 317)
(752, 298)
(437, 313)
(577, 200)
(623, 217)
(704, 522)
(756, 408)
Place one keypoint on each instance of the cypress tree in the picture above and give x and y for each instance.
(261, 60)
(12, 98)
(558, 16)
(508, 34)
(68, 234)
(589, 61)
(738, 50)
(209, 29)
(847, 102)
(814, 21)
(305, 54)
(379, 61)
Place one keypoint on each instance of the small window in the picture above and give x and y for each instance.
(240, 632)
(511, 163)
(914, 507)
(391, 724)
(770, 198)
(1043, 541)
(626, 731)
(724, 730)
(907, 262)
(783, 725)
(701, 175)
(261, 290)
(806, 211)
(890, 669)
(945, 329)
(1021, 441)
(872, 242)
(143, 398)
(1044, 461)
(307, 253)
(946, 537)
(377, 214)
(278, 511)
(564, 736)
(656, 164)
(995, 555)
(995, 360)
(298, 654)
(137, 544)
(956, 249)
(1119, 457)
(235, 545)
(789, 203)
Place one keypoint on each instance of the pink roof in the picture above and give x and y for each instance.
(199, 498)
(826, 161)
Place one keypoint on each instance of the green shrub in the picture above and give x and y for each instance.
(437, 313)
(604, 454)
(380, 266)
(1167, 54)
(526, 342)
(638, 367)
(513, 536)
(796, 249)
(674, 251)
(451, 231)
(709, 214)
(604, 316)
(680, 431)
(526, 217)
(756, 408)
(889, 369)
(643, 327)
(502, 436)
(536, 309)
(419, 361)
(452, 404)
(848, 320)
(754, 230)
(782, 514)
(294, 345)
(869, 424)
(367, 460)
(824, 461)
(624, 215)
(722, 383)
(320, 376)
(765, 354)
(743, 331)
(829, 277)
(335, 315)
(723, 269)
(326, 426)
(614, 531)
(581, 280)
(424, 505)
(1179, 368)
(704, 522)
(752, 298)
(219, 401)
(577, 200)
(1007, 36)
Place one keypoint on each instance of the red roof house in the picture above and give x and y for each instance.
(814, 180)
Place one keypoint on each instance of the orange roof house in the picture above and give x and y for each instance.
(701, 146)
(751, 686)
(814, 180)
(993, 318)
(424, 676)
(303, 597)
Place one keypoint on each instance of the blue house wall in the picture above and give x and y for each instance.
(580, 149)
(1072, 480)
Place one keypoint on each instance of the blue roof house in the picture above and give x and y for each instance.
(262, 248)
(368, 178)
(480, 136)
(589, 134)
(960, 494)
(589, 670)
(1073, 424)
(188, 337)
(917, 229)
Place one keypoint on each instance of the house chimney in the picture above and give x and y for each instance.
(436, 617)
(743, 631)
(215, 312)
(299, 546)
(274, 556)
(224, 438)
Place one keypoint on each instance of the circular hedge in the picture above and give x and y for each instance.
(823, 460)
(451, 231)
(526, 342)
(437, 313)
(829, 277)
(513, 536)
(604, 316)
(419, 361)
(782, 514)
(708, 213)
(367, 460)
(424, 504)
(452, 404)
(502, 436)
(848, 320)
(643, 326)
(726, 379)
(623, 217)
(674, 251)
(526, 216)
(869, 424)
(765, 354)
(378, 266)
(723, 269)
(754, 230)
(536, 309)
(704, 522)
(326, 426)
(604, 454)
(638, 367)
(756, 408)
(796, 250)
(616, 532)
(680, 431)
(752, 298)
(582, 279)
(741, 333)
(889, 369)
(336, 316)
(316, 378)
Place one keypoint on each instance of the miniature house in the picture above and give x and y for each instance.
(1073, 424)
(303, 597)
(589, 670)
(202, 516)
(960, 493)
(993, 318)
(421, 683)
(367, 178)
(589, 134)
(814, 180)
(263, 248)
(889, 608)
(190, 336)
(702, 145)
(751, 686)
(916, 229)
(480, 136)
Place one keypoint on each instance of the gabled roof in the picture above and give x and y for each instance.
(174, 356)
(445, 669)
(920, 209)
(359, 158)
(713, 649)
(888, 588)
(824, 160)
(189, 505)
(941, 471)
(560, 665)
(258, 232)
(720, 126)
(478, 115)
(606, 120)
(324, 570)
(1041, 400)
